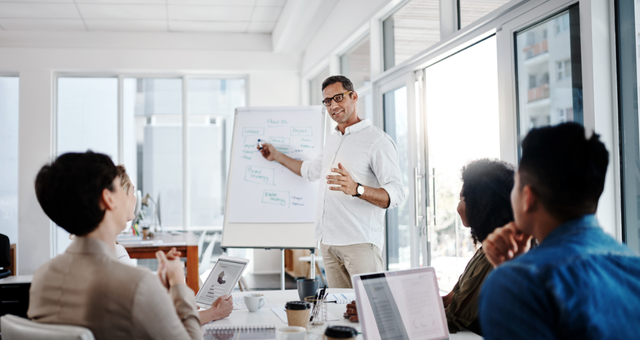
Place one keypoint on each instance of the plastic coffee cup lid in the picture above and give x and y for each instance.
(297, 305)
(341, 332)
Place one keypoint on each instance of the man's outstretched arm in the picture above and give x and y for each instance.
(270, 153)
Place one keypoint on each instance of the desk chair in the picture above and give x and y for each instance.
(5, 257)
(17, 328)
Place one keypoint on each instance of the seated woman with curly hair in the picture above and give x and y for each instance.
(484, 206)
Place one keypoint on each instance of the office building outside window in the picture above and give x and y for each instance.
(410, 30)
(212, 104)
(549, 72)
(153, 144)
(9, 116)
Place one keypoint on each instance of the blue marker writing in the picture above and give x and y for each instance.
(259, 145)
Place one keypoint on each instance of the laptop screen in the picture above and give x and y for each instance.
(401, 305)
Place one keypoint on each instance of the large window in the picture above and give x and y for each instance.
(212, 104)
(356, 63)
(628, 56)
(472, 10)
(151, 139)
(153, 143)
(88, 115)
(87, 119)
(458, 131)
(9, 157)
(549, 72)
(412, 29)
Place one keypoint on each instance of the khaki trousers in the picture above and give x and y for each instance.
(341, 262)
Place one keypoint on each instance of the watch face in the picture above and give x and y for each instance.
(360, 189)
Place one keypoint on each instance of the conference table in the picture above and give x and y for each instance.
(278, 298)
(184, 242)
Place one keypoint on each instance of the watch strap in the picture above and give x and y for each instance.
(358, 194)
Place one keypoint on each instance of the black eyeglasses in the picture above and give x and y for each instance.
(338, 98)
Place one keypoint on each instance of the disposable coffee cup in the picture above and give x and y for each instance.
(340, 333)
(291, 333)
(298, 313)
(254, 302)
(307, 287)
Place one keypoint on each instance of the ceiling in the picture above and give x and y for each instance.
(216, 16)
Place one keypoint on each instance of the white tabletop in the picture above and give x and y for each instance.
(266, 317)
(17, 279)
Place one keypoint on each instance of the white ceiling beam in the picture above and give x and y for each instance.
(298, 23)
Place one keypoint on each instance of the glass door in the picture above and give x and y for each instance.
(398, 246)
(462, 125)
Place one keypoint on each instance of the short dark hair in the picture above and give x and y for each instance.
(564, 169)
(486, 190)
(346, 83)
(69, 190)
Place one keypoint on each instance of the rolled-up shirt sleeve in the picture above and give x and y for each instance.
(312, 170)
(385, 165)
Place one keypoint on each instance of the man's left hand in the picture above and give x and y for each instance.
(344, 180)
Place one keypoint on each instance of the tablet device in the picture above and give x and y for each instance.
(223, 278)
(401, 305)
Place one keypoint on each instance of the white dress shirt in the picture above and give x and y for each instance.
(371, 158)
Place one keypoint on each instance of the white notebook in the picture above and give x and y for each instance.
(244, 332)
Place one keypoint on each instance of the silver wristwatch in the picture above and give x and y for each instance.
(359, 190)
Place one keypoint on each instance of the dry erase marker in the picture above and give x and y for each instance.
(259, 145)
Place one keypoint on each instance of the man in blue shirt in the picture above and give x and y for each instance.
(579, 283)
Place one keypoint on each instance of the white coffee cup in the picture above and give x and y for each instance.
(291, 333)
(254, 301)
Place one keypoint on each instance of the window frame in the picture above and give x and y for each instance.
(186, 225)
(626, 50)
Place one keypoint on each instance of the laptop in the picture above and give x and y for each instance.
(400, 305)
(223, 278)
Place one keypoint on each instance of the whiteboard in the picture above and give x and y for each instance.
(268, 206)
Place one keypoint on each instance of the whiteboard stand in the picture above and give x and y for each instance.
(282, 270)
(312, 273)
(279, 201)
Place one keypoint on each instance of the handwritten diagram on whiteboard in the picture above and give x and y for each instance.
(266, 192)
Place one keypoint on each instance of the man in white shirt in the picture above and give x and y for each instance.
(363, 179)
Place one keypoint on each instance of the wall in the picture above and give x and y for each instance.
(39, 56)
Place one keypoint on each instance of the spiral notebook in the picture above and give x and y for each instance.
(241, 332)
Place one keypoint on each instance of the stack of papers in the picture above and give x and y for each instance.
(341, 298)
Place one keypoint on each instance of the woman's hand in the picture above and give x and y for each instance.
(170, 268)
(221, 308)
(446, 300)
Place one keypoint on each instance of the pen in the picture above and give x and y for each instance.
(259, 145)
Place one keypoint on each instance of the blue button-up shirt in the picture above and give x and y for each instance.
(578, 284)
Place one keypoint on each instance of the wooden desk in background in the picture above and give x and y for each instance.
(184, 242)
(12, 259)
